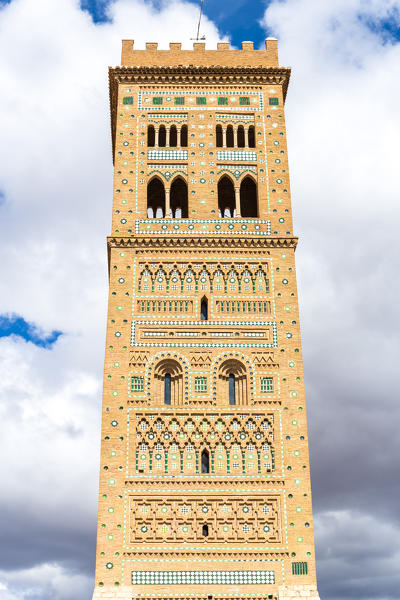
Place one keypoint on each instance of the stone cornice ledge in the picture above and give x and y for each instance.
(205, 243)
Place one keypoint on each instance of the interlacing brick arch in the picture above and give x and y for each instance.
(192, 277)
(174, 443)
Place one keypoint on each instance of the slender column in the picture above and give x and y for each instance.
(167, 136)
(178, 136)
(223, 137)
(167, 206)
(235, 137)
(156, 137)
(237, 201)
(246, 136)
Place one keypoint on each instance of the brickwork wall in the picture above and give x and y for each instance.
(200, 497)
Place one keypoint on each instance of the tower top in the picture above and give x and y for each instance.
(223, 55)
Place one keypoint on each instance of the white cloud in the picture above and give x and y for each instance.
(44, 580)
(56, 175)
(343, 124)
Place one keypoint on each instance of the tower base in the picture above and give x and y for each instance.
(109, 592)
(298, 592)
(286, 592)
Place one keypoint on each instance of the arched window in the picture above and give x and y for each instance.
(167, 386)
(173, 136)
(240, 137)
(184, 135)
(231, 390)
(205, 462)
(232, 384)
(155, 199)
(229, 136)
(204, 530)
(248, 198)
(204, 309)
(252, 139)
(167, 389)
(162, 136)
(218, 136)
(226, 198)
(179, 199)
(151, 135)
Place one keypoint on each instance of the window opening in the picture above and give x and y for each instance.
(162, 136)
(248, 198)
(167, 389)
(184, 136)
(151, 136)
(240, 137)
(218, 134)
(267, 384)
(155, 199)
(226, 198)
(229, 136)
(205, 462)
(204, 309)
(204, 530)
(173, 136)
(252, 139)
(232, 391)
(179, 199)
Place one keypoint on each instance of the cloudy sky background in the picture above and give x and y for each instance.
(343, 124)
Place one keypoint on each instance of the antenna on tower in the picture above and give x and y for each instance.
(203, 37)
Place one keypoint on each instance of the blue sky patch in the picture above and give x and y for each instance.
(237, 18)
(11, 324)
(388, 27)
(97, 9)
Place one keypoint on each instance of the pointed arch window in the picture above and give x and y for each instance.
(155, 199)
(204, 530)
(248, 198)
(179, 199)
(226, 198)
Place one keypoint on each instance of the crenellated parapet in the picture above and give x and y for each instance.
(199, 55)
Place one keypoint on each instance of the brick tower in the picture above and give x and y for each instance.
(204, 482)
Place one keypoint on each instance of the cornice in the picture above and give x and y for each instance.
(201, 75)
(200, 243)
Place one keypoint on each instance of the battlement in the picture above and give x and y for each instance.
(224, 55)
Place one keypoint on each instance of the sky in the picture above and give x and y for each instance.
(343, 123)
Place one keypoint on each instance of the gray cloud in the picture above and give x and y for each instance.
(342, 130)
(56, 179)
